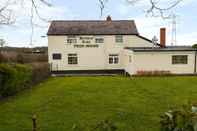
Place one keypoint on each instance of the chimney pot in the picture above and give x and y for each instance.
(109, 18)
(163, 37)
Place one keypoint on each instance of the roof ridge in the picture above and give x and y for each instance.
(90, 20)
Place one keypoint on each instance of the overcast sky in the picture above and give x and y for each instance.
(19, 33)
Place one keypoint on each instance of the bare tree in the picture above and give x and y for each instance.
(102, 5)
(7, 16)
(7, 13)
(2, 43)
(156, 8)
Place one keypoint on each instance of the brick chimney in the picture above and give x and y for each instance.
(162, 37)
(109, 18)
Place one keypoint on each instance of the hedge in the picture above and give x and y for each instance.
(17, 77)
(40, 72)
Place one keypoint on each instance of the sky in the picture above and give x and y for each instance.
(19, 34)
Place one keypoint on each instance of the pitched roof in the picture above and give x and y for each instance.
(118, 27)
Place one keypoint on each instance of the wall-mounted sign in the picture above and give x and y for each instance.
(87, 46)
(86, 39)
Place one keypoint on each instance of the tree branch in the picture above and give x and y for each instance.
(102, 6)
(156, 7)
(6, 14)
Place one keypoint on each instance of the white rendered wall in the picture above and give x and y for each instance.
(92, 58)
(154, 61)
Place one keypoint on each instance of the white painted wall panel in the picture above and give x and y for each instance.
(152, 61)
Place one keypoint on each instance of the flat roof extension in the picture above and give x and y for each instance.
(159, 49)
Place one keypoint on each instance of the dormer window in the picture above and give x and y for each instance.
(119, 39)
(71, 39)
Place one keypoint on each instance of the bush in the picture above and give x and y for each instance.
(17, 77)
(153, 73)
(14, 78)
(194, 46)
(183, 119)
(1, 57)
(20, 59)
(40, 72)
(105, 125)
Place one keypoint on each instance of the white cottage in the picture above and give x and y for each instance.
(112, 46)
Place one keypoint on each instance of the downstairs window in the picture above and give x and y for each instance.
(56, 56)
(113, 59)
(179, 59)
(72, 59)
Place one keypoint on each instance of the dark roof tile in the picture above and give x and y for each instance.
(119, 27)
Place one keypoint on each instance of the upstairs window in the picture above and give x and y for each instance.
(113, 59)
(99, 40)
(57, 56)
(72, 59)
(71, 39)
(179, 59)
(119, 39)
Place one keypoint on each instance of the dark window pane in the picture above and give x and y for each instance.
(113, 59)
(110, 60)
(57, 56)
(116, 60)
(72, 59)
(179, 59)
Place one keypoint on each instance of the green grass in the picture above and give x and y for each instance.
(132, 104)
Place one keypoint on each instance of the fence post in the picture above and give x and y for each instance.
(34, 122)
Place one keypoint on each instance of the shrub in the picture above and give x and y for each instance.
(194, 46)
(14, 78)
(105, 125)
(183, 119)
(20, 59)
(40, 72)
(2, 58)
(153, 73)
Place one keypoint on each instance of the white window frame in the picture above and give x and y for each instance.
(99, 40)
(119, 39)
(113, 59)
(72, 59)
(71, 40)
(179, 59)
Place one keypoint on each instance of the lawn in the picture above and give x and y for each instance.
(131, 104)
